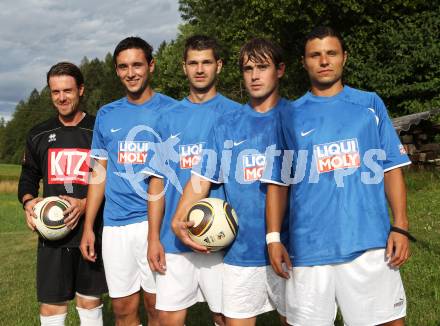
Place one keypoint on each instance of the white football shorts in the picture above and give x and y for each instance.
(251, 291)
(190, 278)
(367, 291)
(124, 252)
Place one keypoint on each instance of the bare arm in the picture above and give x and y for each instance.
(395, 190)
(191, 194)
(156, 206)
(276, 203)
(95, 197)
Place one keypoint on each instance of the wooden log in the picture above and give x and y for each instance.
(431, 147)
(407, 139)
(410, 149)
(422, 137)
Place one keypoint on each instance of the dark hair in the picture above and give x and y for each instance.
(134, 42)
(66, 68)
(260, 50)
(202, 42)
(322, 32)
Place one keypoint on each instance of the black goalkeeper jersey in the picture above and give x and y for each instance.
(60, 156)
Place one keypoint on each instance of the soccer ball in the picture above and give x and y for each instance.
(216, 223)
(50, 218)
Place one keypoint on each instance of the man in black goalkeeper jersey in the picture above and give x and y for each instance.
(57, 151)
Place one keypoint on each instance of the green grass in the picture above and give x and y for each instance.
(9, 171)
(421, 274)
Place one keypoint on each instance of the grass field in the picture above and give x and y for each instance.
(421, 274)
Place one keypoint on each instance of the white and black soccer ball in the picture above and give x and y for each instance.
(216, 223)
(50, 218)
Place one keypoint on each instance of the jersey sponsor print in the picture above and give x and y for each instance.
(132, 152)
(253, 166)
(335, 155)
(68, 165)
(190, 155)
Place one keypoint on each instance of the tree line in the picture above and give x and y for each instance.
(393, 48)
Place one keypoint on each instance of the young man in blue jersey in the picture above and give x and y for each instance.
(185, 277)
(120, 148)
(239, 141)
(347, 161)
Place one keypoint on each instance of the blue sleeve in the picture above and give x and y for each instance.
(209, 167)
(98, 149)
(161, 148)
(274, 171)
(395, 152)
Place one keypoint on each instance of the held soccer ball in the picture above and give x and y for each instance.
(50, 218)
(216, 223)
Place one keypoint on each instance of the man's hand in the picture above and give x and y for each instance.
(74, 212)
(279, 255)
(87, 245)
(397, 249)
(29, 212)
(156, 257)
(180, 228)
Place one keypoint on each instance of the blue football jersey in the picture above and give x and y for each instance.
(184, 130)
(240, 142)
(338, 150)
(122, 135)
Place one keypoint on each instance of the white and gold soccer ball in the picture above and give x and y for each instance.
(215, 223)
(50, 218)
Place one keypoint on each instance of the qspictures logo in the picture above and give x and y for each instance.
(68, 165)
(132, 152)
(336, 155)
(190, 155)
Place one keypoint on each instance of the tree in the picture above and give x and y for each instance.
(393, 44)
(393, 49)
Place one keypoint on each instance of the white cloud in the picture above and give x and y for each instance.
(35, 34)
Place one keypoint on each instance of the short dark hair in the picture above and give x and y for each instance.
(66, 69)
(322, 32)
(202, 42)
(260, 50)
(134, 42)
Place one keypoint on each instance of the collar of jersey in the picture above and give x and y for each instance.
(151, 101)
(209, 102)
(281, 103)
(338, 96)
(81, 122)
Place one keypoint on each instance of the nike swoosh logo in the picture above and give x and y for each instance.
(305, 133)
(238, 143)
(114, 130)
(176, 135)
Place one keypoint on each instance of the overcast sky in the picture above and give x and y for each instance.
(35, 34)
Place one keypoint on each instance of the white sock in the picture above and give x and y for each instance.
(90, 317)
(54, 320)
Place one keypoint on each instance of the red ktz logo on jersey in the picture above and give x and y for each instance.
(190, 155)
(68, 165)
(337, 155)
(132, 152)
(253, 166)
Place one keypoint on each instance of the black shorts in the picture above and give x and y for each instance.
(61, 272)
